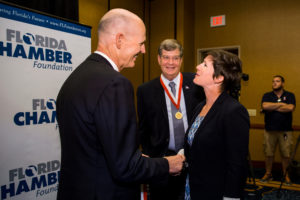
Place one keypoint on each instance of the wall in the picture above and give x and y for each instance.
(90, 12)
(161, 26)
(268, 35)
(185, 32)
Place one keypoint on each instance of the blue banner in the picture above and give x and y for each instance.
(25, 16)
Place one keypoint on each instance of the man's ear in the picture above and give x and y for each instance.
(158, 59)
(119, 39)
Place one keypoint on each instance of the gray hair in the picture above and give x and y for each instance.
(170, 45)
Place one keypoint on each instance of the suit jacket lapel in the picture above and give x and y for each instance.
(213, 110)
(160, 96)
(99, 58)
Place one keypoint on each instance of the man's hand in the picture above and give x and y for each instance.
(270, 106)
(280, 107)
(286, 108)
(175, 164)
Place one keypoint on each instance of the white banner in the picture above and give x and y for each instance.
(37, 53)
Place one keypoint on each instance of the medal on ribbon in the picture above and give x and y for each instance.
(178, 115)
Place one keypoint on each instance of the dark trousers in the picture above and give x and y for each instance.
(174, 190)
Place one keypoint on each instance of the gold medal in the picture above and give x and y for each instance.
(178, 115)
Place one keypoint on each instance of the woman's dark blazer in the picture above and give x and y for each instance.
(217, 159)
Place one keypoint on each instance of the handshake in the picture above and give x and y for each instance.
(176, 163)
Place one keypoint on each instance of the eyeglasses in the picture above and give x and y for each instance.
(173, 58)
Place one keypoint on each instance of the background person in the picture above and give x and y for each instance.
(278, 106)
(97, 120)
(157, 114)
(216, 144)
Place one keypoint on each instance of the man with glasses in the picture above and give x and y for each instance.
(165, 106)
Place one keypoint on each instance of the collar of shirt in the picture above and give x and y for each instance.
(176, 80)
(108, 59)
(283, 93)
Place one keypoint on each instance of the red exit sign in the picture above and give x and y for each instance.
(217, 21)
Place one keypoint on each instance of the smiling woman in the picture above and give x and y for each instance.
(217, 142)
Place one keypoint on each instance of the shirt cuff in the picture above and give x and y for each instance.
(228, 198)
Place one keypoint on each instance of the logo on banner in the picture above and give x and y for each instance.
(43, 112)
(46, 52)
(41, 178)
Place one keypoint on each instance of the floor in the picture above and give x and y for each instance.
(273, 190)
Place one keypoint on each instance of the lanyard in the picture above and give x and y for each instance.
(177, 105)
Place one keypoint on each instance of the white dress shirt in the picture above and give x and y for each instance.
(108, 59)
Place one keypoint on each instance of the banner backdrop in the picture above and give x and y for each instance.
(37, 53)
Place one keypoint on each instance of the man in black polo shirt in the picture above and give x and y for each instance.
(278, 106)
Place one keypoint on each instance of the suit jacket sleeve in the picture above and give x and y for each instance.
(236, 127)
(115, 120)
(144, 134)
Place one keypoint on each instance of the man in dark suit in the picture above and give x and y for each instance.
(97, 120)
(161, 128)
